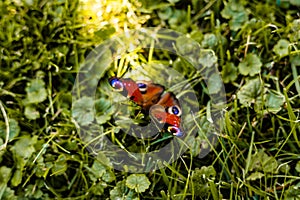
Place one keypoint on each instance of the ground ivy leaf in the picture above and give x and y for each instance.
(82, 110)
(274, 101)
(165, 13)
(207, 58)
(31, 112)
(237, 14)
(14, 129)
(238, 20)
(138, 182)
(194, 146)
(250, 92)
(185, 47)
(269, 163)
(210, 40)
(5, 174)
(101, 157)
(98, 188)
(9, 194)
(282, 47)
(120, 191)
(109, 176)
(24, 147)
(251, 65)
(229, 72)
(214, 83)
(60, 165)
(36, 92)
(255, 175)
(264, 162)
(104, 110)
(97, 170)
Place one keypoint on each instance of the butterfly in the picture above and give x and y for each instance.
(164, 107)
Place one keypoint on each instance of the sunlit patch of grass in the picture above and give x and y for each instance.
(110, 16)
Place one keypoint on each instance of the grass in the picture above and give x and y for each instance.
(254, 45)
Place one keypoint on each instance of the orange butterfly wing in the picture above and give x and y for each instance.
(146, 94)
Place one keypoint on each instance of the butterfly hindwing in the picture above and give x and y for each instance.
(168, 111)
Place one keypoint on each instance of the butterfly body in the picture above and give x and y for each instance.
(164, 108)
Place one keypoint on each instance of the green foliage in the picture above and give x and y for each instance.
(255, 45)
(250, 92)
(229, 72)
(236, 12)
(203, 181)
(282, 47)
(139, 182)
(250, 65)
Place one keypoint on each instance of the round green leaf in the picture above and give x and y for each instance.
(138, 182)
(251, 65)
(5, 173)
(31, 112)
(250, 92)
(207, 58)
(274, 101)
(14, 129)
(36, 92)
(210, 40)
(165, 13)
(82, 110)
(229, 72)
(214, 84)
(282, 47)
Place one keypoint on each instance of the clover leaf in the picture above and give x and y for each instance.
(138, 182)
(251, 65)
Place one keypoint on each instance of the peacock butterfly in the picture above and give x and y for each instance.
(149, 96)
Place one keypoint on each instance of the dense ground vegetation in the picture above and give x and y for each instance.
(254, 44)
